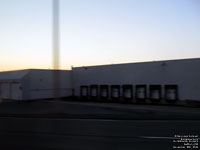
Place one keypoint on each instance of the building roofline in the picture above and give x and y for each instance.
(171, 60)
(34, 69)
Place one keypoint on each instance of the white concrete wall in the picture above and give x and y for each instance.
(185, 73)
(41, 84)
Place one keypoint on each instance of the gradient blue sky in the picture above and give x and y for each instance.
(95, 32)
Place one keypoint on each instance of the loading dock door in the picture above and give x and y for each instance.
(140, 91)
(155, 94)
(171, 92)
(127, 93)
(104, 93)
(93, 90)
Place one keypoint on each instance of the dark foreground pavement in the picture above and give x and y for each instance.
(92, 134)
(94, 126)
(92, 110)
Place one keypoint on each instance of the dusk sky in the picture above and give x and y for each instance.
(95, 32)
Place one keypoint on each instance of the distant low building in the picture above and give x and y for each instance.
(34, 84)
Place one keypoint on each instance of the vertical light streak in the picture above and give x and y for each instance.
(56, 49)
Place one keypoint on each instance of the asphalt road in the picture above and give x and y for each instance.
(95, 110)
(92, 134)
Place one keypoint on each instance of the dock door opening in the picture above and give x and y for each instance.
(141, 91)
(104, 91)
(84, 91)
(127, 91)
(155, 92)
(171, 92)
(94, 91)
(115, 91)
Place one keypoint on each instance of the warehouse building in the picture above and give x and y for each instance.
(34, 84)
(170, 80)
